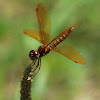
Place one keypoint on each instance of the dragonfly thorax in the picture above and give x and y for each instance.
(43, 50)
(33, 55)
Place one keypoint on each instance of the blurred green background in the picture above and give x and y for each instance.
(59, 78)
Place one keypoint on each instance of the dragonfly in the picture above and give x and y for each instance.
(48, 42)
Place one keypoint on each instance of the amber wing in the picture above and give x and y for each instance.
(44, 23)
(70, 53)
(32, 33)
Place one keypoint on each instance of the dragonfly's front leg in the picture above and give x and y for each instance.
(37, 66)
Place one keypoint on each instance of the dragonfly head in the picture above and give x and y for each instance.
(33, 55)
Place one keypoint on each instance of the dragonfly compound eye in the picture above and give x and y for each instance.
(33, 55)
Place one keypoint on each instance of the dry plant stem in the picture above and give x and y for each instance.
(26, 84)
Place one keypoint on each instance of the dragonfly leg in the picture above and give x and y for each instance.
(38, 66)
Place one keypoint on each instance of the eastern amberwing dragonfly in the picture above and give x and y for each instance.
(50, 43)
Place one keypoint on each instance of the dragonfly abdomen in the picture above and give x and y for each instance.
(59, 40)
